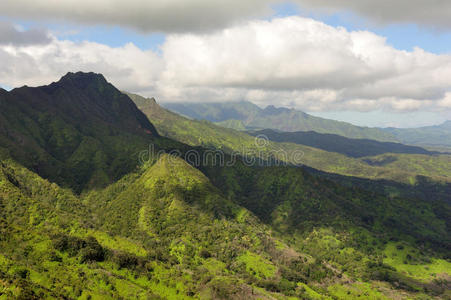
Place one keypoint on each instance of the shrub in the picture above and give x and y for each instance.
(92, 251)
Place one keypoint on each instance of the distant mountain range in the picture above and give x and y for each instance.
(239, 115)
(439, 135)
(325, 152)
(82, 216)
(248, 116)
(336, 143)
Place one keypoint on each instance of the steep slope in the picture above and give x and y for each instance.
(398, 167)
(80, 131)
(364, 233)
(431, 136)
(216, 112)
(162, 232)
(334, 143)
(183, 221)
(253, 117)
(166, 230)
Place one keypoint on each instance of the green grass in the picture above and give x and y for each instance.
(410, 262)
(257, 265)
(118, 243)
(172, 231)
(400, 167)
(312, 294)
(358, 290)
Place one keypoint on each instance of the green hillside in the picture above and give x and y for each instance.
(335, 143)
(162, 228)
(79, 132)
(398, 167)
(430, 136)
(237, 114)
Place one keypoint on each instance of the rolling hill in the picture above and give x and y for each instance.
(246, 114)
(335, 143)
(439, 135)
(391, 166)
(164, 228)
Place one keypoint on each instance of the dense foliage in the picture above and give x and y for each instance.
(163, 229)
(79, 132)
(237, 115)
(334, 143)
(398, 167)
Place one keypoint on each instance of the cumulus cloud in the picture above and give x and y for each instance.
(305, 63)
(293, 61)
(204, 15)
(9, 34)
(126, 66)
(433, 13)
(154, 15)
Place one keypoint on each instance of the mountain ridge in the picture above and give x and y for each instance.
(271, 117)
(60, 129)
(438, 135)
(165, 229)
(335, 143)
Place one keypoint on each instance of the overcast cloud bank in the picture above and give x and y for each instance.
(290, 61)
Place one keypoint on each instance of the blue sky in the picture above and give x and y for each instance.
(401, 36)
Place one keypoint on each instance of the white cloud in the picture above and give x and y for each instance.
(446, 102)
(205, 15)
(126, 66)
(12, 35)
(146, 15)
(292, 61)
(432, 13)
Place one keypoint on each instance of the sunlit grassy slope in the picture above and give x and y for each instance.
(246, 114)
(163, 229)
(392, 166)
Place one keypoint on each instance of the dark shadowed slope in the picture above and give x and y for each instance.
(80, 131)
(167, 230)
(334, 143)
(397, 166)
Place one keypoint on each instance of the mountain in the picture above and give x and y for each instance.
(168, 228)
(391, 166)
(439, 135)
(80, 131)
(284, 119)
(335, 143)
(215, 112)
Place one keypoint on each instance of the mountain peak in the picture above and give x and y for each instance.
(82, 75)
(272, 110)
(82, 79)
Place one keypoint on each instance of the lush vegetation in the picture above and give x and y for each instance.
(391, 166)
(247, 116)
(334, 143)
(79, 132)
(237, 115)
(431, 135)
(163, 229)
